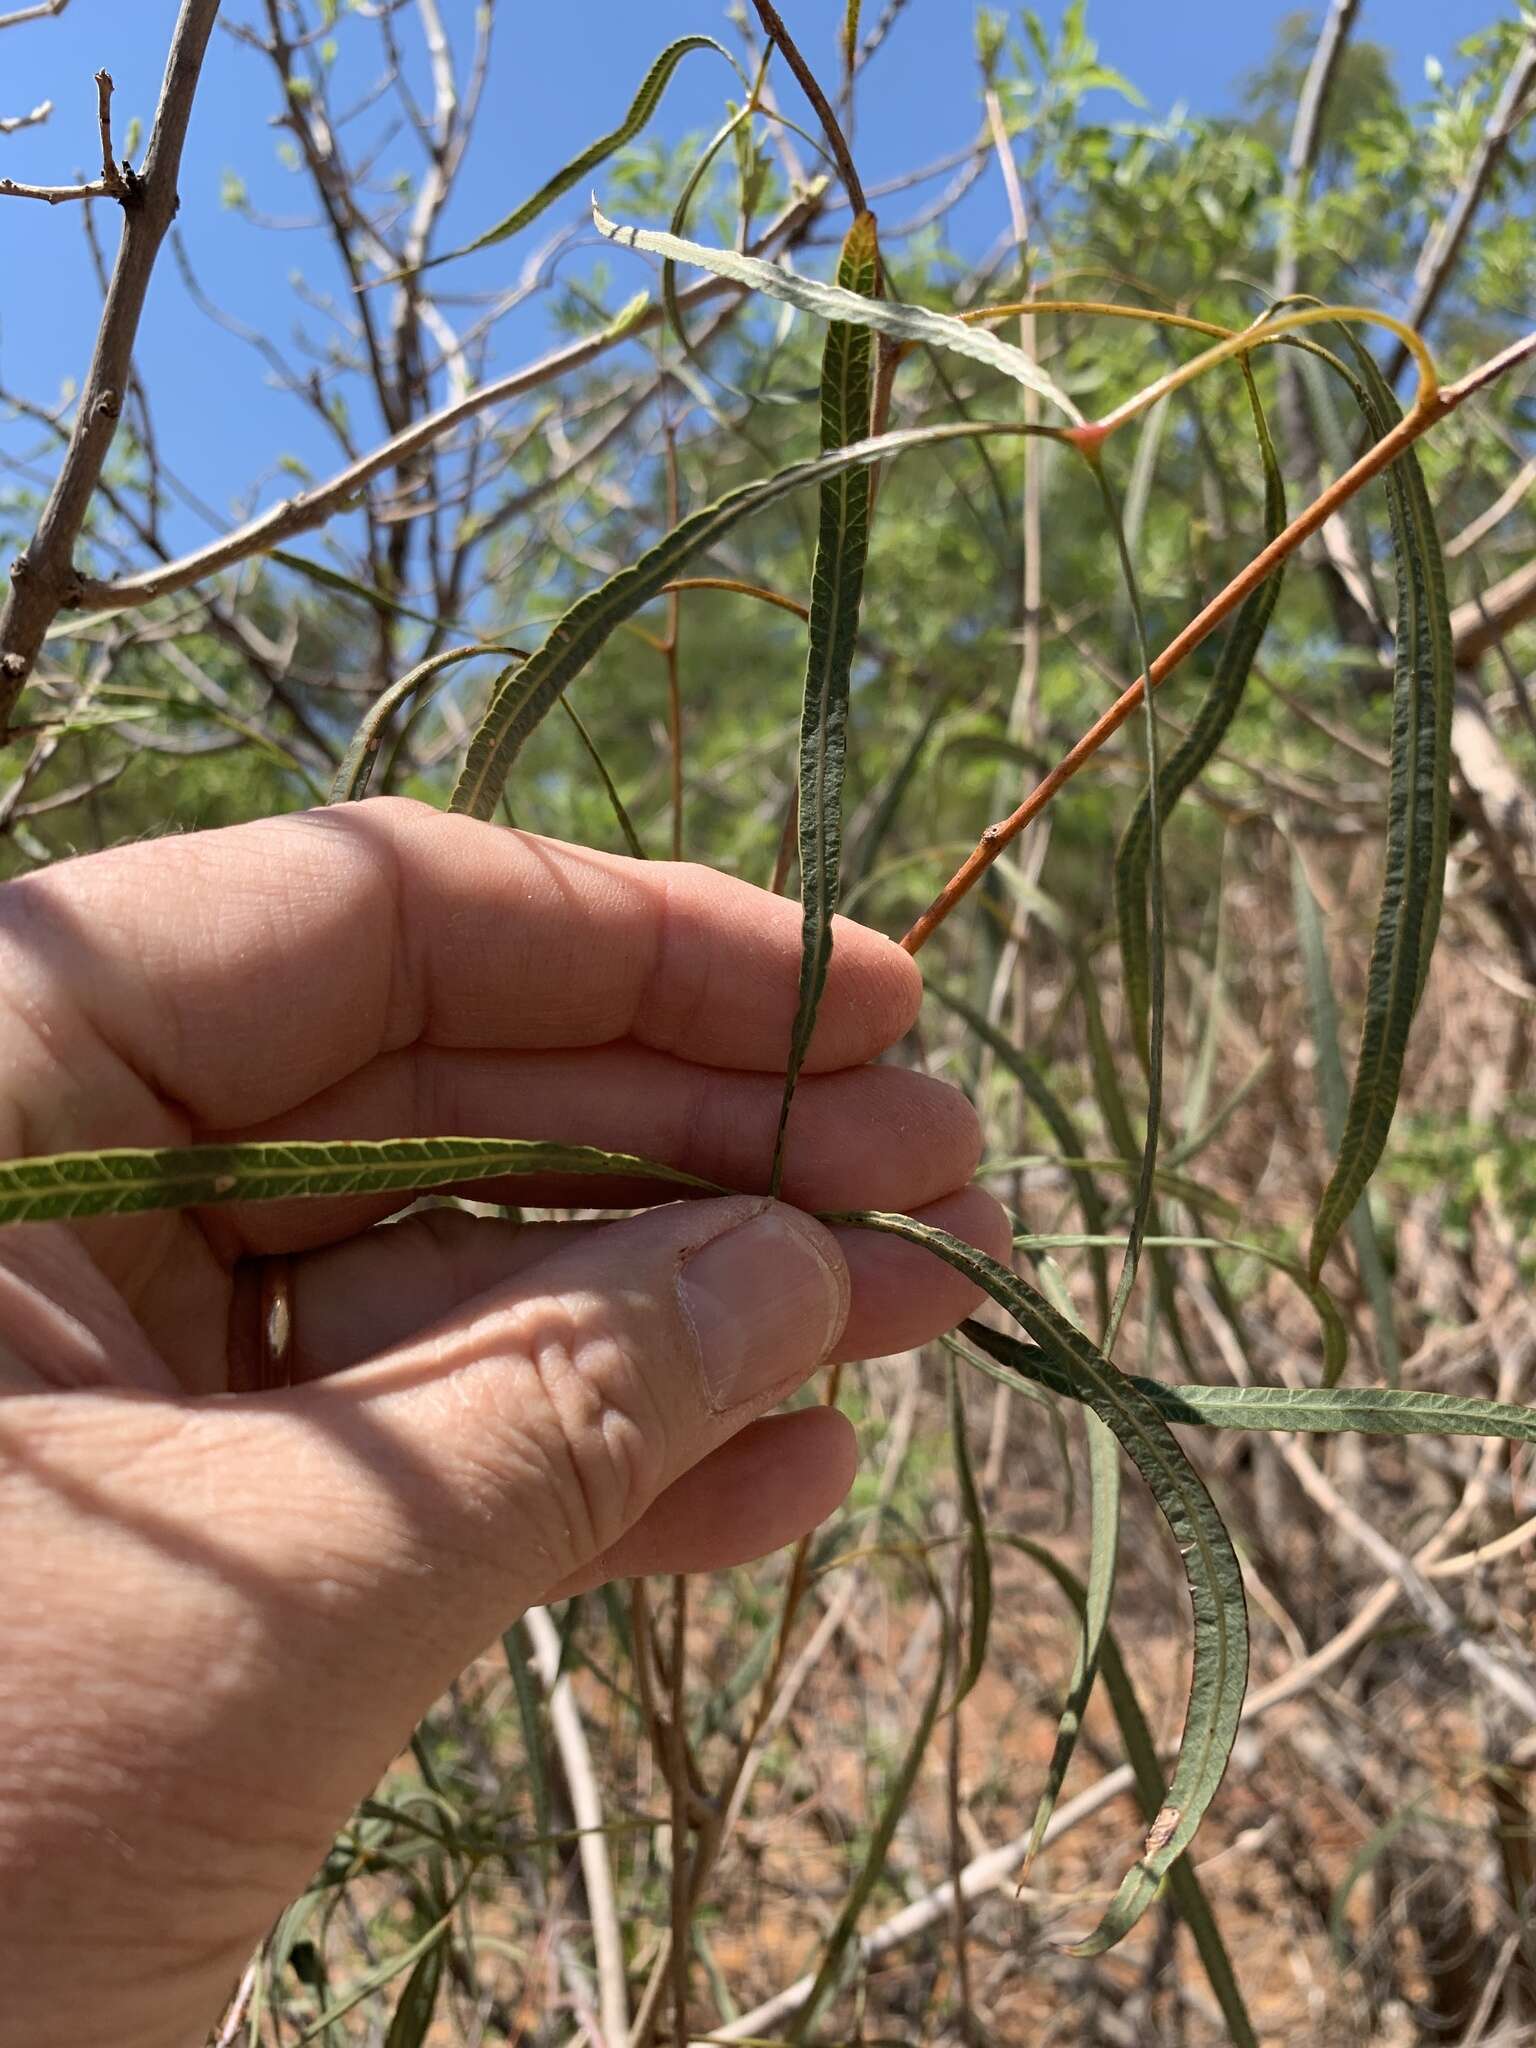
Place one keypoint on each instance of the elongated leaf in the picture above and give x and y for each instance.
(1141, 1754)
(641, 108)
(1333, 1091)
(1215, 715)
(418, 2001)
(1103, 1552)
(356, 770)
(1220, 1672)
(1144, 1211)
(380, 1974)
(530, 1714)
(1319, 1411)
(899, 1792)
(365, 593)
(897, 784)
(116, 1183)
(978, 1550)
(1057, 1119)
(578, 634)
(837, 585)
(1335, 1330)
(1418, 818)
(625, 823)
(832, 302)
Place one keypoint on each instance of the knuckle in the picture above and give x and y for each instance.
(573, 1430)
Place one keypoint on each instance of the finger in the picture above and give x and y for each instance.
(384, 1287)
(239, 972)
(771, 1485)
(302, 1575)
(876, 1137)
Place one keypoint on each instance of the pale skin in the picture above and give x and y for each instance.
(224, 1610)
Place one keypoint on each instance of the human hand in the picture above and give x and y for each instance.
(225, 1608)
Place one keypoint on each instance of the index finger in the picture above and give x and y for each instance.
(241, 971)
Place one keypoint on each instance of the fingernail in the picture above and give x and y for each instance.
(767, 1301)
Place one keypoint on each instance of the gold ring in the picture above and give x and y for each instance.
(275, 1346)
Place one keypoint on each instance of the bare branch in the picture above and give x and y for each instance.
(11, 124)
(1438, 258)
(44, 578)
(1513, 494)
(1307, 133)
(312, 508)
(41, 10)
(1484, 621)
(112, 184)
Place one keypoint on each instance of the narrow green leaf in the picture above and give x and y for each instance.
(918, 324)
(356, 770)
(418, 2001)
(641, 108)
(1141, 1754)
(616, 802)
(578, 634)
(530, 1714)
(1335, 1331)
(1144, 1212)
(1058, 1120)
(837, 586)
(120, 1182)
(1418, 818)
(1215, 715)
(1364, 1860)
(893, 794)
(365, 593)
(380, 1974)
(899, 1792)
(1103, 1552)
(1316, 1411)
(1333, 1091)
(1220, 1670)
(978, 1550)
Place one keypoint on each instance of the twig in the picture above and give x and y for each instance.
(1433, 407)
(773, 26)
(1513, 494)
(44, 578)
(113, 183)
(12, 124)
(1483, 621)
(587, 1811)
(40, 10)
(1439, 254)
(1306, 135)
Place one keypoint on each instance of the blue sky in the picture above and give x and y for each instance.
(561, 75)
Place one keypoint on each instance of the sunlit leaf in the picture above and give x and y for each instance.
(918, 324)
(115, 1183)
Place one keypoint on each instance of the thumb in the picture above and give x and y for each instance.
(301, 1574)
(500, 1453)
